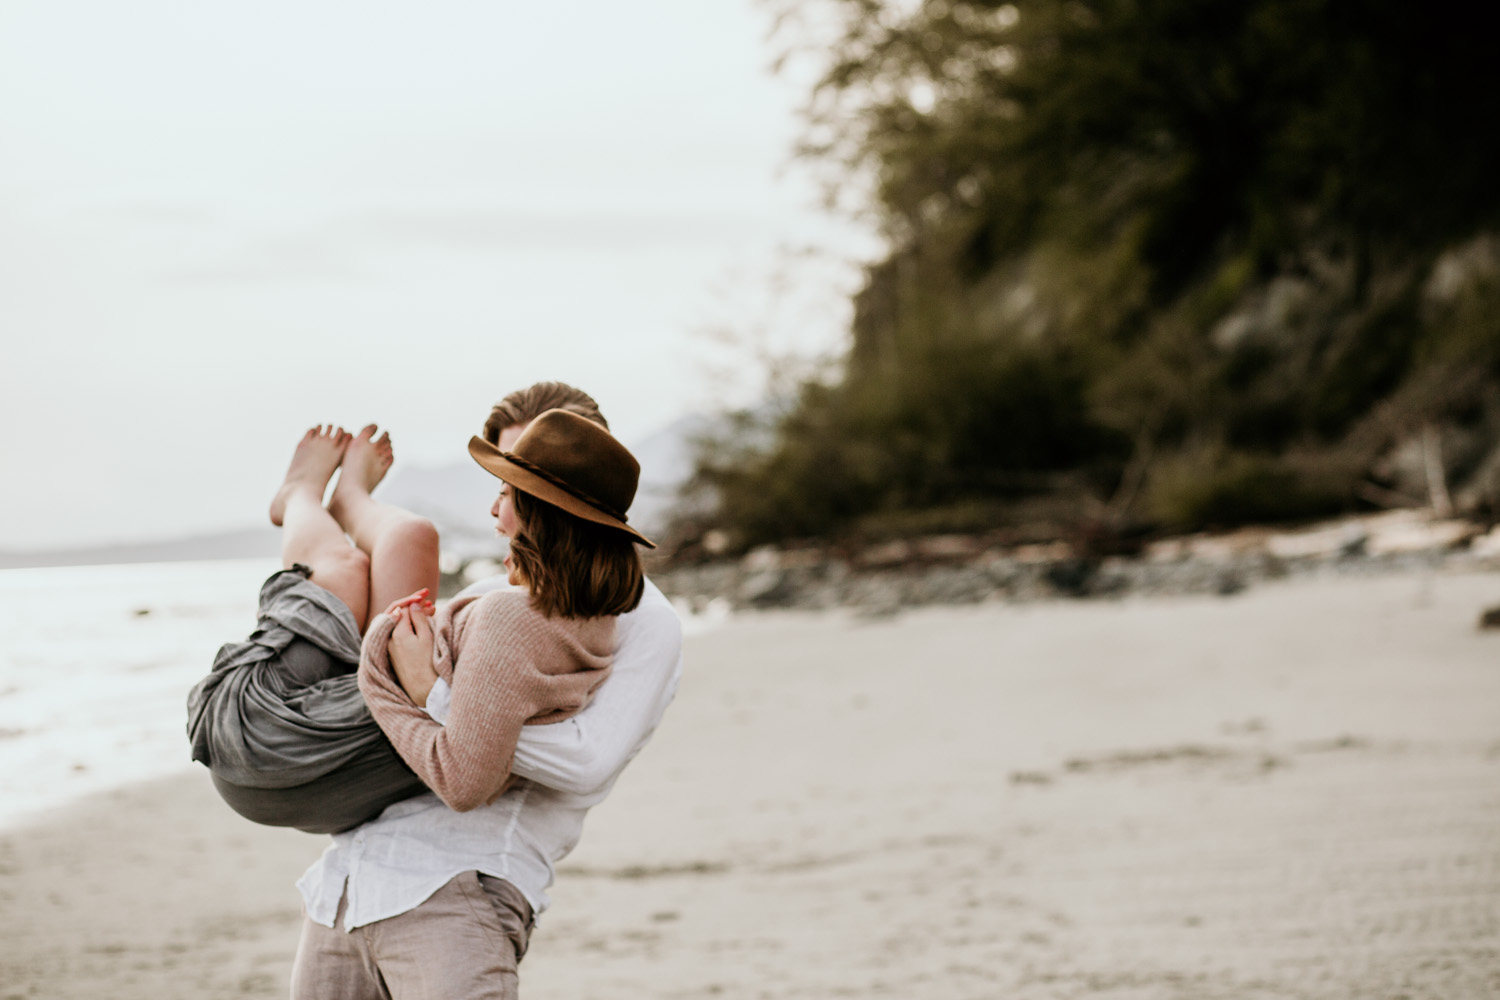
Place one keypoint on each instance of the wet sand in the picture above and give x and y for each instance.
(1293, 792)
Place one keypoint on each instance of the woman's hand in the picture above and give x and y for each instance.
(410, 647)
(418, 599)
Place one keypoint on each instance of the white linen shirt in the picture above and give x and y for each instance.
(396, 861)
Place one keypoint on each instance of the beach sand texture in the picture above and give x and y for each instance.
(1293, 792)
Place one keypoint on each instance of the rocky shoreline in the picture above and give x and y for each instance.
(969, 569)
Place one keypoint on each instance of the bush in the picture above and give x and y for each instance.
(1215, 488)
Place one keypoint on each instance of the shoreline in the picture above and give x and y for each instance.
(883, 579)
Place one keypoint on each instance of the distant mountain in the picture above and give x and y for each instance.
(666, 459)
(250, 543)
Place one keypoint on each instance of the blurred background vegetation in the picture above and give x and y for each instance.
(1149, 266)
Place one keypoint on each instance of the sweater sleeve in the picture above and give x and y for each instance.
(511, 669)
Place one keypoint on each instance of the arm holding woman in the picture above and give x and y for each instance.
(517, 666)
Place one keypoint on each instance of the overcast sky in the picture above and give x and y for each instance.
(221, 223)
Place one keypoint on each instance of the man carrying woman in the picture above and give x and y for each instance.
(497, 721)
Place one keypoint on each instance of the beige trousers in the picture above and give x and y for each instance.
(463, 943)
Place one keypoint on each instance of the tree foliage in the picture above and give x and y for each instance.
(1166, 262)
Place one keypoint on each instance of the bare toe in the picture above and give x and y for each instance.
(313, 462)
(366, 460)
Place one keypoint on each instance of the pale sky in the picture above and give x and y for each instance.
(222, 223)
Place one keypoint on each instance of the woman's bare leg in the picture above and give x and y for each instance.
(309, 535)
(402, 546)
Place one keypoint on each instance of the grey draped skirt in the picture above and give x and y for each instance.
(280, 722)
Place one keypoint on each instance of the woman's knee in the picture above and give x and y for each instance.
(413, 537)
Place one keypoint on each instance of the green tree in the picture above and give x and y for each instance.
(1162, 261)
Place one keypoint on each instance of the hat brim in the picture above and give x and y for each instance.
(498, 464)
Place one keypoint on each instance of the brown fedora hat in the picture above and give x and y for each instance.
(570, 462)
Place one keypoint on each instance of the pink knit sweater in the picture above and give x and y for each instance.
(508, 665)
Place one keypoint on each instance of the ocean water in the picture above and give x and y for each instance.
(96, 663)
(95, 666)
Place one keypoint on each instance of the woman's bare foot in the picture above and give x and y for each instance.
(366, 460)
(317, 455)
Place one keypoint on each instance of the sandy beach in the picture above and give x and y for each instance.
(1291, 792)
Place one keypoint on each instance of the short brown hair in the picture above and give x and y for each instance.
(525, 405)
(574, 568)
